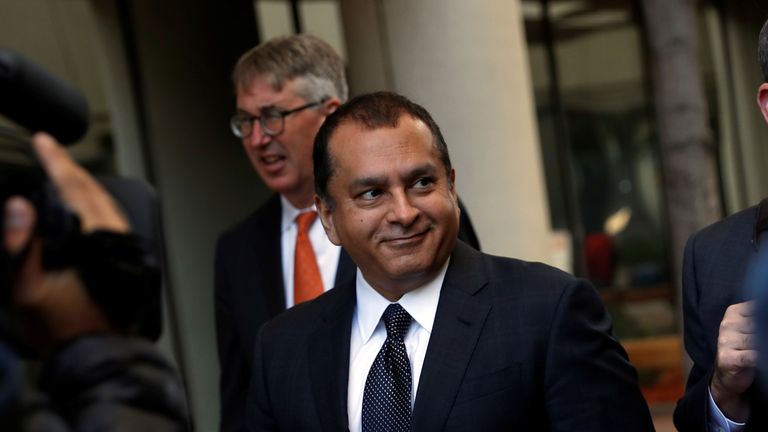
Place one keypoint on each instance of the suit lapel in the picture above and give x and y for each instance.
(268, 253)
(329, 354)
(458, 323)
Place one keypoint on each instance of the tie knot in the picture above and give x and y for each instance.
(396, 320)
(304, 220)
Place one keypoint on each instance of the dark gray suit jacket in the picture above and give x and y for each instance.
(514, 346)
(714, 267)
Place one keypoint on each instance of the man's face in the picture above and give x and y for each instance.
(395, 206)
(284, 162)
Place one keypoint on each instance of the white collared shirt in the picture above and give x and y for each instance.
(326, 253)
(718, 422)
(368, 336)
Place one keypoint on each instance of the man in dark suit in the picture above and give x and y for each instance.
(285, 88)
(432, 334)
(719, 330)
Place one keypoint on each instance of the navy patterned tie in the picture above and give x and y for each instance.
(387, 395)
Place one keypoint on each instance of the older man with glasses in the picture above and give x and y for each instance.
(279, 255)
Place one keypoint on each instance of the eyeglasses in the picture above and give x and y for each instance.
(271, 120)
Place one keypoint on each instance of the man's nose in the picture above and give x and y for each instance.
(258, 137)
(402, 211)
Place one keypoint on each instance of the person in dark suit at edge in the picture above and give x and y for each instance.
(285, 88)
(432, 334)
(719, 333)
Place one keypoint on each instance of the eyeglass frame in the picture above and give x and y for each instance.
(244, 118)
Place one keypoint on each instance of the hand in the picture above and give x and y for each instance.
(54, 306)
(735, 362)
(78, 189)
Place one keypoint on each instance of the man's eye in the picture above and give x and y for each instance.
(271, 114)
(370, 194)
(245, 118)
(424, 182)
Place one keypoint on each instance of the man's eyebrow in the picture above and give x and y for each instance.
(258, 113)
(418, 171)
(368, 181)
(422, 170)
(250, 113)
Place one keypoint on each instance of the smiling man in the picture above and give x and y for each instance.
(279, 255)
(432, 335)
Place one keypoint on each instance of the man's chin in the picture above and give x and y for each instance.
(280, 184)
(409, 269)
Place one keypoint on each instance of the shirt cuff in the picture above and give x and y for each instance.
(718, 422)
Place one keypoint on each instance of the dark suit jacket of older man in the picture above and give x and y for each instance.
(514, 346)
(249, 291)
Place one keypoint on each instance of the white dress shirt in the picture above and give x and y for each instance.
(326, 253)
(368, 336)
(718, 422)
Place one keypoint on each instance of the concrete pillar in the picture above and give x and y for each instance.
(466, 63)
(169, 76)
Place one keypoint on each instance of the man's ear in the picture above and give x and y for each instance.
(452, 177)
(326, 218)
(762, 100)
(330, 105)
(454, 195)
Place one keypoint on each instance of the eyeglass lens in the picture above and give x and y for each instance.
(271, 121)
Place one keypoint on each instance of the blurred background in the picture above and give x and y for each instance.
(548, 108)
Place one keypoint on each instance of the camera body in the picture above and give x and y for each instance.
(58, 226)
(37, 101)
(121, 272)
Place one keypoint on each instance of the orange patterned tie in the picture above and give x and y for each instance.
(307, 283)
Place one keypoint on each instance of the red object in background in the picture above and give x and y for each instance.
(599, 254)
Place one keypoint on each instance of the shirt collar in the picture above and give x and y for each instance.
(420, 303)
(289, 213)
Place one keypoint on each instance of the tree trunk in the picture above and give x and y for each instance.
(689, 166)
(687, 149)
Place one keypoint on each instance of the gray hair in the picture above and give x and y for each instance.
(316, 67)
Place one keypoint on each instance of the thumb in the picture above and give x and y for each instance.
(19, 224)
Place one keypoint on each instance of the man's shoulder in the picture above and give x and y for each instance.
(513, 277)
(522, 271)
(540, 286)
(532, 269)
(530, 294)
(734, 232)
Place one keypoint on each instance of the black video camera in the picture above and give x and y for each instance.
(121, 272)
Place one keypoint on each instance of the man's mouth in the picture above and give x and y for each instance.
(406, 239)
(271, 159)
